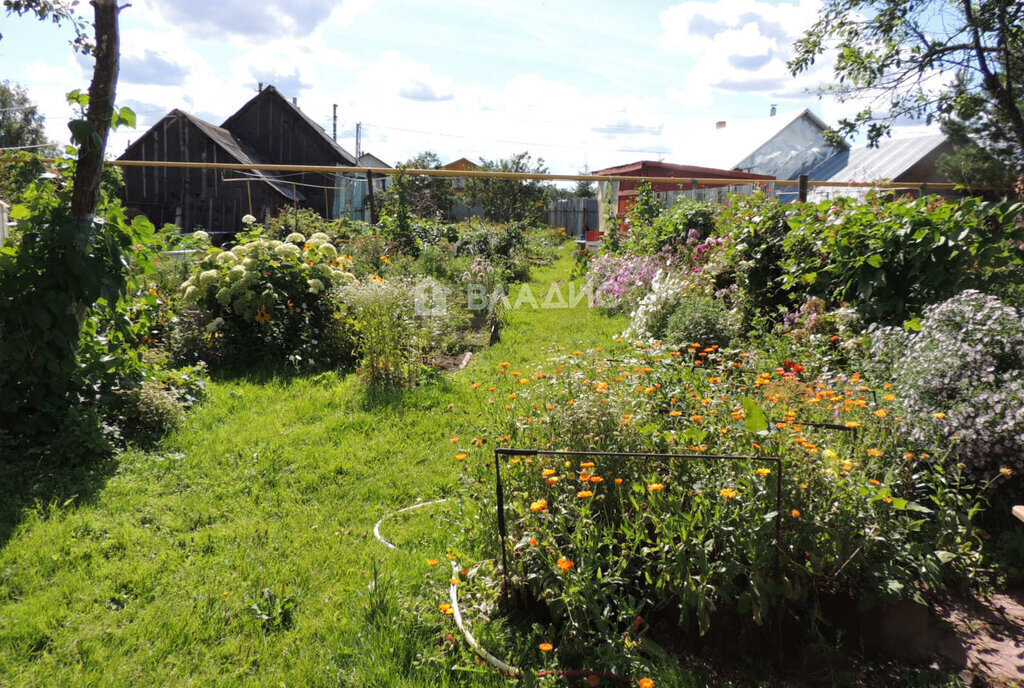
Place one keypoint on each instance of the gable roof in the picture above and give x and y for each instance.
(340, 153)
(730, 146)
(891, 159)
(371, 160)
(461, 164)
(231, 145)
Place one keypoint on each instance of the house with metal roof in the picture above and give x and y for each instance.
(783, 146)
(269, 129)
(911, 160)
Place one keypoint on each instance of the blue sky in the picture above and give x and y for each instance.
(579, 84)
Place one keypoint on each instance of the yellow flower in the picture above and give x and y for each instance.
(447, 609)
(764, 472)
(455, 440)
(587, 464)
(875, 452)
(655, 487)
(565, 565)
(504, 364)
(847, 467)
(728, 493)
(548, 471)
(881, 413)
(940, 416)
(584, 494)
(853, 424)
(431, 562)
(1006, 471)
(539, 505)
(461, 457)
(262, 316)
(675, 414)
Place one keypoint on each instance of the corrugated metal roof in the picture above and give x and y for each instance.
(240, 151)
(891, 159)
(729, 146)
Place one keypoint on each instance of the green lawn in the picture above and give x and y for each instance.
(241, 552)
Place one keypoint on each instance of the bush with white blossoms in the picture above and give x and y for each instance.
(651, 316)
(269, 300)
(963, 378)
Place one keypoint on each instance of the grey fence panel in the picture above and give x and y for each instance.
(576, 215)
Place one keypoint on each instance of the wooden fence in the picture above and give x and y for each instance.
(576, 215)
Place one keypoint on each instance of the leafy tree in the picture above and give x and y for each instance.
(510, 200)
(926, 59)
(425, 196)
(21, 125)
(971, 165)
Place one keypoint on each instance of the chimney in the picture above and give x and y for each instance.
(772, 114)
(720, 124)
(260, 87)
(295, 102)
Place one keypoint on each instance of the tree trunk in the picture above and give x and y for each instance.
(86, 194)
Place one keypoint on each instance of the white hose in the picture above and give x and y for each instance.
(453, 592)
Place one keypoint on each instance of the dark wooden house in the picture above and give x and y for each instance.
(269, 129)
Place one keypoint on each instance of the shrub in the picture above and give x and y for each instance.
(652, 314)
(392, 337)
(618, 283)
(698, 318)
(268, 301)
(963, 378)
(685, 223)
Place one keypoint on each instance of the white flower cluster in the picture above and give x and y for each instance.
(667, 290)
(236, 279)
(963, 375)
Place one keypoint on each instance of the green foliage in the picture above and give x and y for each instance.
(699, 318)
(888, 51)
(889, 260)
(644, 210)
(510, 200)
(267, 301)
(21, 125)
(51, 279)
(685, 222)
(420, 195)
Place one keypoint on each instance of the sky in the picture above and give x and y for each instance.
(581, 84)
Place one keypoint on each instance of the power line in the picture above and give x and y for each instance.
(38, 145)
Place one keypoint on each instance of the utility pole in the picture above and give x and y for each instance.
(359, 133)
(335, 129)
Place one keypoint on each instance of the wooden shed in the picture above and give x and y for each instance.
(269, 129)
(199, 198)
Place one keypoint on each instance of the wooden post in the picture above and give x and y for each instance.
(802, 197)
(369, 195)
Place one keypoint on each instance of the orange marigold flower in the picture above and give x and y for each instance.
(553, 480)
(618, 481)
(853, 424)
(764, 472)
(431, 562)
(728, 493)
(655, 487)
(874, 482)
(675, 414)
(539, 505)
(548, 471)
(565, 565)
(587, 464)
(696, 419)
(596, 479)
(795, 513)
(887, 500)
(847, 467)
(447, 609)
(940, 415)
(1006, 471)
(875, 452)
(646, 683)
(533, 542)
(461, 457)
(504, 364)
(584, 494)
(546, 647)
(803, 486)
(454, 440)
(881, 413)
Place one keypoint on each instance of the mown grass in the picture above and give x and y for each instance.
(241, 552)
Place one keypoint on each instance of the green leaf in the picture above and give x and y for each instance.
(913, 325)
(20, 212)
(875, 261)
(945, 557)
(757, 421)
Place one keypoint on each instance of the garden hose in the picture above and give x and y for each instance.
(453, 593)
